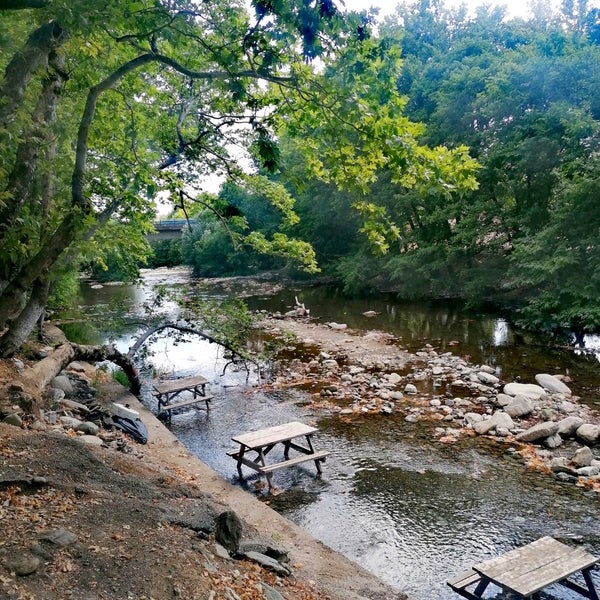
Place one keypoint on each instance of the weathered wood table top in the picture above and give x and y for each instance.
(533, 567)
(274, 435)
(179, 385)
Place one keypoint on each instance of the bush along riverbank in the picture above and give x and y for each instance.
(350, 374)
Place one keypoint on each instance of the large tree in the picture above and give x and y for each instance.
(105, 104)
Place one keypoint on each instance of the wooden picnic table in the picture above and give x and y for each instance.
(167, 391)
(263, 441)
(527, 570)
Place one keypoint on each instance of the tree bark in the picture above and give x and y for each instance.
(24, 64)
(24, 324)
(22, 179)
(110, 353)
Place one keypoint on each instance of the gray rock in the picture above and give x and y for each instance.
(89, 428)
(553, 441)
(267, 562)
(588, 471)
(471, 418)
(221, 552)
(267, 547)
(60, 538)
(77, 367)
(19, 364)
(503, 420)
(569, 425)
(503, 399)
(553, 384)
(69, 422)
(484, 427)
(13, 419)
(530, 390)
(567, 477)
(271, 593)
(410, 389)
(62, 382)
(538, 432)
(519, 407)
(228, 530)
(394, 378)
(73, 405)
(91, 440)
(589, 433)
(583, 457)
(487, 378)
(24, 565)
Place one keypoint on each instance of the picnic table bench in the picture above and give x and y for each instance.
(527, 570)
(167, 391)
(264, 440)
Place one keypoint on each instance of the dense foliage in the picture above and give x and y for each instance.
(106, 106)
(523, 96)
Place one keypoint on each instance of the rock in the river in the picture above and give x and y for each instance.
(525, 389)
(410, 389)
(569, 425)
(583, 457)
(553, 384)
(519, 406)
(589, 433)
(504, 399)
(538, 432)
(487, 378)
(553, 441)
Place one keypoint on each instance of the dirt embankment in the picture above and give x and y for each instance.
(90, 523)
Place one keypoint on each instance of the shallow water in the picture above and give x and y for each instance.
(410, 510)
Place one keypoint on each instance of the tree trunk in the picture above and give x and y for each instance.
(22, 177)
(110, 353)
(21, 328)
(24, 64)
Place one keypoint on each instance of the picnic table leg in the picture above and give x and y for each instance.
(481, 587)
(591, 587)
(239, 461)
(312, 451)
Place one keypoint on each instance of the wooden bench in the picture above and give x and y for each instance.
(463, 581)
(263, 441)
(167, 391)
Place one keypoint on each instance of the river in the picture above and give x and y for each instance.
(413, 512)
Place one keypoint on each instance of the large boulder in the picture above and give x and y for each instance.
(553, 384)
(530, 390)
(538, 432)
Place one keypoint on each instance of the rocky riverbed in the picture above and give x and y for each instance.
(353, 374)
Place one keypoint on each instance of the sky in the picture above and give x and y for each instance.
(516, 8)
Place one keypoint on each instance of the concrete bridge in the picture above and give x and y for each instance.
(169, 229)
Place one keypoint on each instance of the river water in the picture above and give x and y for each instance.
(412, 511)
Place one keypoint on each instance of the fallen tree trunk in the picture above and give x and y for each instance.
(30, 384)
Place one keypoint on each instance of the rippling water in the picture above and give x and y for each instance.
(410, 510)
